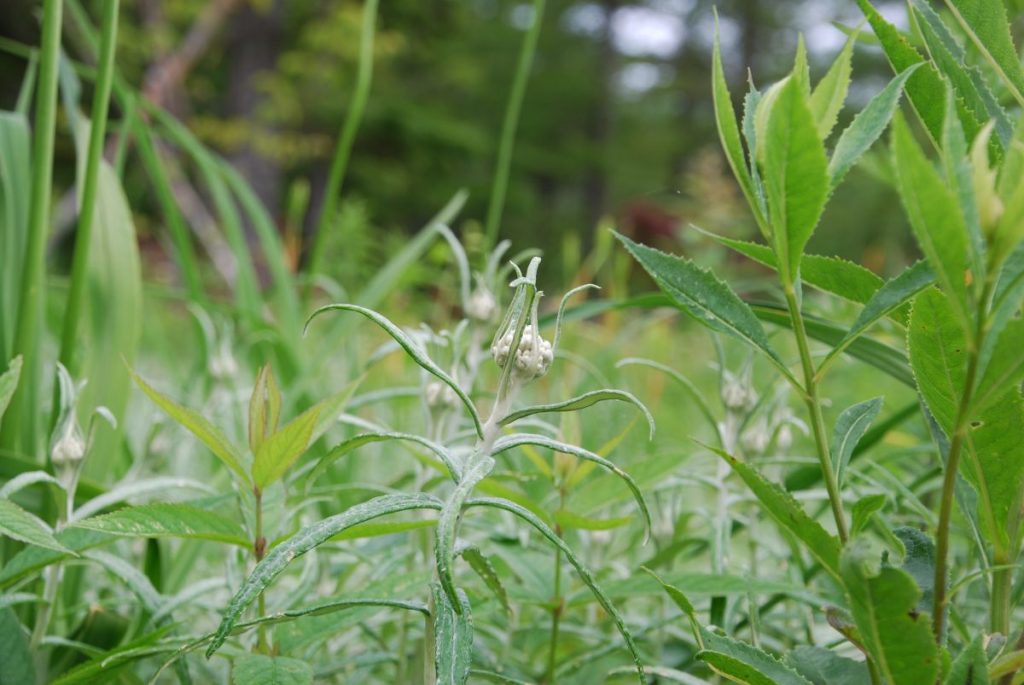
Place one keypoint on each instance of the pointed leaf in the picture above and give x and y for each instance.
(479, 562)
(264, 408)
(167, 520)
(358, 441)
(18, 524)
(850, 428)
(1004, 370)
(582, 402)
(260, 669)
(453, 638)
(277, 453)
(986, 24)
(829, 95)
(743, 663)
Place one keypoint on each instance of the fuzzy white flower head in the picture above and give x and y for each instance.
(438, 394)
(482, 305)
(737, 394)
(532, 358)
(69, 448)
(757, 437)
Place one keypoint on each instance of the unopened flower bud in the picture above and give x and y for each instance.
(68, 449)
(532, 358)
(737, 395)
(438, 394)
(756, 438)
(482, 305)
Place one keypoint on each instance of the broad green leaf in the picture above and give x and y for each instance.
(199, 426)
(938, 355)
(883, 604)
(925, 88)
(795, 176)
(453, 638)
(278, 452)
(828, 96)
(520, 439)
(970, 666)
(788, 513)
(261, 669)
(744, 663)
(16, 662)
(167, 520)
(479, 562)
(919, 562)
(18, 524)
(567, 519)
(825, 667)
(850, 428)
(862, 511)
(867, 126)
(935, 218)
(701, 294)
(986, 24)
(264, 408)
(413, 349)
(353, 443)
(305, 540)
(32, 559)
(329, 409)
(1004, 369)
(728, 130)
(570, 556)
(582, 402)
(8, 383)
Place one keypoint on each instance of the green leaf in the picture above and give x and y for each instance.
(582, 402)
(18, 524)
(867, 126)
(8, 383)
(305, 540)
(828, 96)
(970, 666)
(413, 349)
(448, 522)
(479, 562)
(32, 559)
(353, 443)
(925, 88)
(260, 669)
(795, 176)
(935, 218)
(781, 506)
(986, 24)
(919, 562)
(850, 427)
(704, 297)
(570, 556)
(743, 663)
(938, 355)
(1004, 369)
(520, 439)
(167, 520)
(453, 638)
(568, 519)
(277, 453)
(16, 664)
(677, 596)
(264, 408)
(862, 511)
(199, 426)
(825, 667)
(883, 602)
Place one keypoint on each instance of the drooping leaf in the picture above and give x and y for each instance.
(199, 426)
(262, 669)
(867, 126)
(413, 349)
(355, 442)
(167, 520)
(18, 524)
(453, 638)
(883, 604)
(582, 402)
(781, 506)
(850, 428)
(825, 667)
(744, 663)
(703, 296)
(306, 539)
(795, 176)
(862, 511)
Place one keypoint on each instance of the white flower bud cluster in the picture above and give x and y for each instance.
(737, 395)
(68, 449)
(482, 305)
(532, 358)
(440, 395)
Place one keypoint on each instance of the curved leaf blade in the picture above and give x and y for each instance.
(850, 428)
(167, 520)
(583, 401)
(355, 442)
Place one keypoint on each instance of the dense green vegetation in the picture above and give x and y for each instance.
(260, 454)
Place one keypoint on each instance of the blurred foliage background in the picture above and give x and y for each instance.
(616, 125)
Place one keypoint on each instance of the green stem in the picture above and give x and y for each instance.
(1002, 587)
(350, 126)
(814, 409)
(259, 548)
(21, 420)
(509, 126)
(558, 603)
(87, 199)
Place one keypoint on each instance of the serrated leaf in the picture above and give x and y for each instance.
(883, 602)
(167, 520)
(986, 24)
(970, 666)
(935, 218)
(353, 443)
(701, 294)
(413, 349)
(199, 426)
(849, 429)
(919, 562)
(18, 524)
(9, 383)
(743, 663)
(862, 511)
(16, 663)
(278, 452)
(825, 667)
(828, 96)
(582, 402)
(520, 439)
(453, 638)
(938, 355)
(570, 556)
(479, 562)
(781, 506)
(260, 669)
(1004, 369)
(795, 176)
(306, 539)
(867, 126)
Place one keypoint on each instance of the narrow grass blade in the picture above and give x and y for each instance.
(582, 402)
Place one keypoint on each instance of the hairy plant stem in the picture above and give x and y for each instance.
(814, 409)
(558, 602)
(259, 548)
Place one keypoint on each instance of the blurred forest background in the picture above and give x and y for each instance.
(616, 127)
